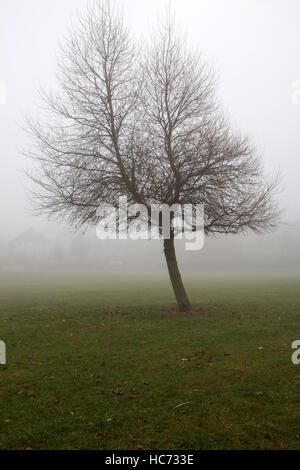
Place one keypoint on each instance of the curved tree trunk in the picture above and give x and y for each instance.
(175, 276)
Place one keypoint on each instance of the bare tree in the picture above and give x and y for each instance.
(145, 125)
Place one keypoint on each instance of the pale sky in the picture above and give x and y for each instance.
(253, 44)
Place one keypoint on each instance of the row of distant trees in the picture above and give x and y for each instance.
(32, 251)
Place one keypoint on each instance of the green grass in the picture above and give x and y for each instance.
(97, 363)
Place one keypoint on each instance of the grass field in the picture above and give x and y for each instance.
(104, 363)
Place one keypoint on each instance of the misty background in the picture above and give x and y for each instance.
(254, 48)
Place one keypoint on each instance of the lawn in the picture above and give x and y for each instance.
(106, 362)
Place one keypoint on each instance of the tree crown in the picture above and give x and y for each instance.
(143, 124)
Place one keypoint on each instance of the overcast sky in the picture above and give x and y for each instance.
(253, 44)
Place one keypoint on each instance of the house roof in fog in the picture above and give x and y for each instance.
(30, 236)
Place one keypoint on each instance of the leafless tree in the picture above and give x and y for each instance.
(143, 124)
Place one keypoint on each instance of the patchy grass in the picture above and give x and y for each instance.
(103, 363)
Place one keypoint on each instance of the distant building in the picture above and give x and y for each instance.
(26, 252)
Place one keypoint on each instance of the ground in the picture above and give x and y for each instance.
(106, 362)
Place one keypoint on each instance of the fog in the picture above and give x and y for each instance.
(254, 47)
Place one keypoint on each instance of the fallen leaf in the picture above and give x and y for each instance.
(182, 404)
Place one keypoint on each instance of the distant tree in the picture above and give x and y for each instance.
(143, 124)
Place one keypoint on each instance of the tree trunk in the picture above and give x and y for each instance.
(175, 276)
